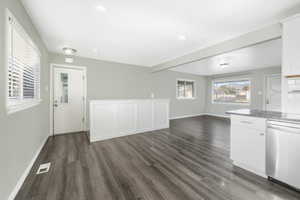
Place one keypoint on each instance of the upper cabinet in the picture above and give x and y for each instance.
(291, 46)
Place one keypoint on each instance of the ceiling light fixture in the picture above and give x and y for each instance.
(101, 8)
(181, 37)
(69, 51)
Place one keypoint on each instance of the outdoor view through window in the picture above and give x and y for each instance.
(231, 91)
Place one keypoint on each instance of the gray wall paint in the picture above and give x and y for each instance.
(109, 80)
(164, 86)
(257, 85)
(22, 133)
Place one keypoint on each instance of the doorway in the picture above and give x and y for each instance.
(273, 93)
(68, 99)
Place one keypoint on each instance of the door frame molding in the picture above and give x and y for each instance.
(51, 92)
(266, 76)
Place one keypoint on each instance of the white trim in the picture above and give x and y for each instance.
(290, 18)
(237, 104)
(23, 106)
(182, 98)
(26, 172)
(217, 115)
(247, 168)
(186, 116)
(7, 53)
(265, 89)
(201, 114)
(84, 69)
(229, 79)
(194, 87)
(17, 25)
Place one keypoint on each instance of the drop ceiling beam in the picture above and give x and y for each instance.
(266, 34)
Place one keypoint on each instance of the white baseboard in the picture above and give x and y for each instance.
(186, 116)
(21, 180)
(217, 115)
(202, 114)
(250, 169)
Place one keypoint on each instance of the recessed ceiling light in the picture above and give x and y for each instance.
(69, 60)
(181, 37)
(101, 8)
(69, 51)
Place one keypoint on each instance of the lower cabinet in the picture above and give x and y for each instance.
(248, 143)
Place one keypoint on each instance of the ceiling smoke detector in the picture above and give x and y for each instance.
(225, 62)
(224, 65)
(69, 51)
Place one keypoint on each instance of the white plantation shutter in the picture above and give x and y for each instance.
(23, 66)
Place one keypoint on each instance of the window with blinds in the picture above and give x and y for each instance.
(23, 71)
(185, 89)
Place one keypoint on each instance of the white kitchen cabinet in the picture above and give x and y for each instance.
(248, 143)
(291, 46)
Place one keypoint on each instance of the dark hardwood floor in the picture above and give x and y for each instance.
(188, 161)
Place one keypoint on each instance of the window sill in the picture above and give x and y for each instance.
(186, 98)
(228, 103)
(23, 106)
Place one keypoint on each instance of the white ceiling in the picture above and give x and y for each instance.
(148, 32)
(263, 55)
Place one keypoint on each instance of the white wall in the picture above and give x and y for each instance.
(110, 80)
(257, 85)
(21, 133)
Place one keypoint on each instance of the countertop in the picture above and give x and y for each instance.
(270, 115)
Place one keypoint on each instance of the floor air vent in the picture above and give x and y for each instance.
(44, 168)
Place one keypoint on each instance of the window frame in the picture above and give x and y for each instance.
(194, 90)
(230, 80)
(23, 104)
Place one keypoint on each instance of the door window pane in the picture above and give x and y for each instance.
(65, 87)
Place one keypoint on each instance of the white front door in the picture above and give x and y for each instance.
(68, 100)
(273, 93)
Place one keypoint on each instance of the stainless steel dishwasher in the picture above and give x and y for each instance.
(283, 152)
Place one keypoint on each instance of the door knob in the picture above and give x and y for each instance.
(55, 104)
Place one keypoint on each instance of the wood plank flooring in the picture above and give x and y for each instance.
(189, 161)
